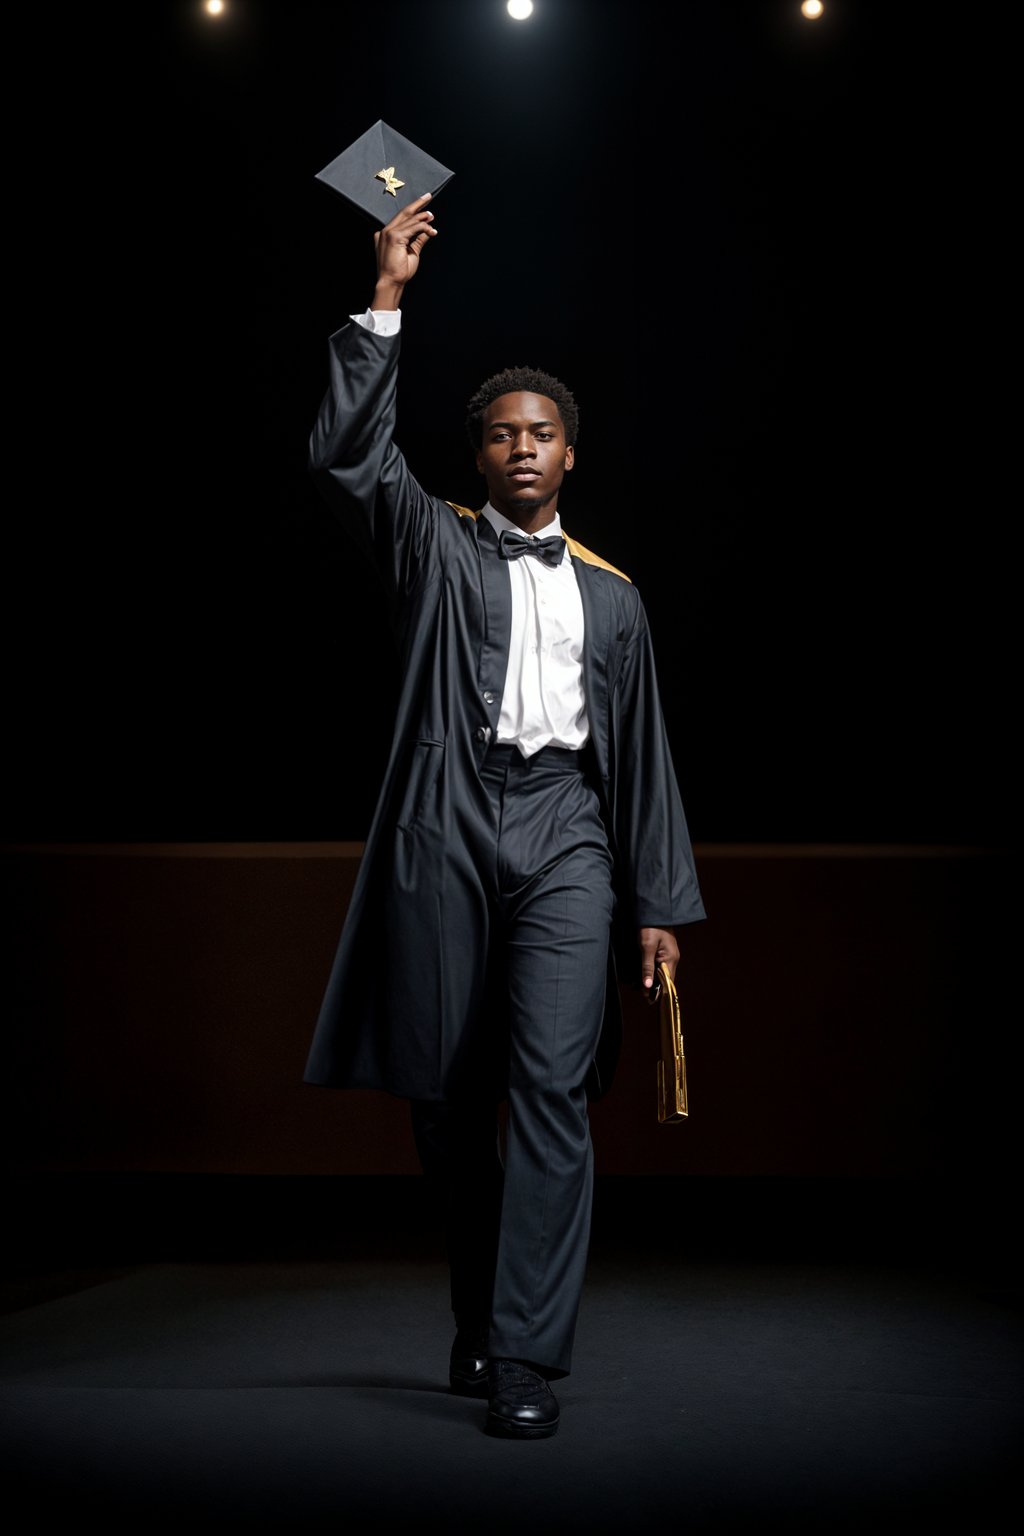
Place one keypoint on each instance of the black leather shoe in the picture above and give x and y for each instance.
(521, 1404)
(467, 1368)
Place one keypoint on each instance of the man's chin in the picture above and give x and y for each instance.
(524, 496)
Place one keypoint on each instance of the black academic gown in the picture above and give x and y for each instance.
(386, 1023)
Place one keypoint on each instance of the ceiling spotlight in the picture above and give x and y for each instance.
(214, 7)
(519, 9)
(812, 9)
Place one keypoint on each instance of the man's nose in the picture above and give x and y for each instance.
(522, 446)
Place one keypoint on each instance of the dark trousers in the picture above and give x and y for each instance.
(516, 1191)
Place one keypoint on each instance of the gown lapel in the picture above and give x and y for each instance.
(497, 592)
(596, 630)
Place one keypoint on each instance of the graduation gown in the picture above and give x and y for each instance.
(389, 1019)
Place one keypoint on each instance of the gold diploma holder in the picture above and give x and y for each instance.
(672, 1100)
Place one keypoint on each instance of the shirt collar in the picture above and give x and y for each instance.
(499, 522)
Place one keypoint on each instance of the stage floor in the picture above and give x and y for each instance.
(796, 1371)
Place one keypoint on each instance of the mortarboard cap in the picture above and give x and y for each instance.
(381, 172)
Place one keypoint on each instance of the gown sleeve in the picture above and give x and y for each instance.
(657, 874)
(359, 470)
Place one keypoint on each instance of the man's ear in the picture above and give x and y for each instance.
(570, 457)
(480, 463)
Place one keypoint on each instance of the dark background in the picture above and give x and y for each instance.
(765, 254)
(772, 261)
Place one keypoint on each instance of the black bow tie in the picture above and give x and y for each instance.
(512, 545)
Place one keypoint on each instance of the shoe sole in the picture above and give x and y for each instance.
(509, 1430)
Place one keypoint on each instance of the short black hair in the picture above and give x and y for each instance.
(512, 381)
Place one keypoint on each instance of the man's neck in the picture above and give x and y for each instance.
(531, 520)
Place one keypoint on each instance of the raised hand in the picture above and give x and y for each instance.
(399, 246)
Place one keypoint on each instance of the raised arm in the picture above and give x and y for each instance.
(353, 458)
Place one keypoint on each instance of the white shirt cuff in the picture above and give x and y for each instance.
(386, 322)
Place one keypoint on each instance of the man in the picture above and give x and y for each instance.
(529, 808)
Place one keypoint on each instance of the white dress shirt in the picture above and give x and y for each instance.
(543, 702)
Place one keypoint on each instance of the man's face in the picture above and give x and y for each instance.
(524, 456)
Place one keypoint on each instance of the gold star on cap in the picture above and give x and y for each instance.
(387, 176)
